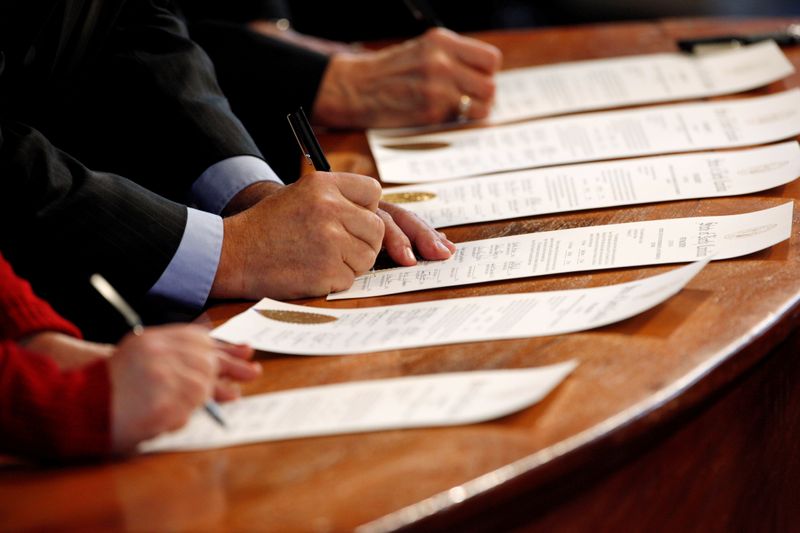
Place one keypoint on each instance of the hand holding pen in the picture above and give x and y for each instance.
(401, 227)
(161, 374)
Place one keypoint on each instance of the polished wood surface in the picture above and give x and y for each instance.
(682, 416)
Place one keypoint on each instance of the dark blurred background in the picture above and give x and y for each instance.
(355, 20)
(511, 13)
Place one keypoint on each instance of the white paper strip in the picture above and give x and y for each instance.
(594, 185)
(448, 321)
(398, 403)
(652, 242)
(539, 91)
(589, 137)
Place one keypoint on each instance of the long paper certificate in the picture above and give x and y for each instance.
(595, 185)
(287, 328)
(417, 401)
(651, 242)
(539, 91)
(589, 137)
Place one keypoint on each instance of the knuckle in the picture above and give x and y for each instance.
(323, 207)
(330, 234)
(377, 227)
(436, 35)
(436, 66)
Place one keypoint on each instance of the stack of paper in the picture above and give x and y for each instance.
(424, 158)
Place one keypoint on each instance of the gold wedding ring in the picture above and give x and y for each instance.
(464, 105)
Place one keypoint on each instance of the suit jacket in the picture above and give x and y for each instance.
(265, 79)
(115, 86)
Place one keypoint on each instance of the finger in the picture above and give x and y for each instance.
(396, 242)
(477, 85)
(443, 103)
(428, 241)
(341, 280)
(225, 391)
(361, 190)
(236, 369)
(359, 256)
(479, 109)
(193, 390)
(477, 54)
(364, 225)
(447, 242)
(198, 359)
(240, 351)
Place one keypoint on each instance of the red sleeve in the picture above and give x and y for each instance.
(52, 414)
(22, 313)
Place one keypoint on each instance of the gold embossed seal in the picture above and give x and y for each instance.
(430, 145)
(407, 197)
(296, 317)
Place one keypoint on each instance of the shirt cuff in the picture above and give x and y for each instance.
(223, 180)
(188, 278)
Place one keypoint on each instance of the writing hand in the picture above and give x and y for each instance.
(418, 82)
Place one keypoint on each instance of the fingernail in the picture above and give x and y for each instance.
(441, 246)
(409, 255)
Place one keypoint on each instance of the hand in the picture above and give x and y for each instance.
(306, 239)
(404, 229)
(323, 46)
(159, 378)
(417, 82)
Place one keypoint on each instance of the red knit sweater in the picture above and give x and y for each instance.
(46, 412)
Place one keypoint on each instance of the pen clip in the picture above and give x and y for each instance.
(294, 124)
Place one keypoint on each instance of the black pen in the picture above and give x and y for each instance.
(308, 142)
(424, 13)
(790, 36)
(111, 295)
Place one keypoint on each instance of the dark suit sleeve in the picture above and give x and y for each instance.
(236, 10)
(62, 222)
(151, 109)
(265, 79)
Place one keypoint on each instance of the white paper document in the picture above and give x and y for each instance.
(595, 185)
(588, 137)
(397, 403)
(651, 242)
(293, 329)
(539, 91)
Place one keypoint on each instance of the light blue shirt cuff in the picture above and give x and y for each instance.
(190, 274)
(223, 180)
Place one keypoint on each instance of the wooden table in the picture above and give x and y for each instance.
(685, 417)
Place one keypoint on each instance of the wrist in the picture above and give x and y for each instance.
(228, 280)
(249, 196)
